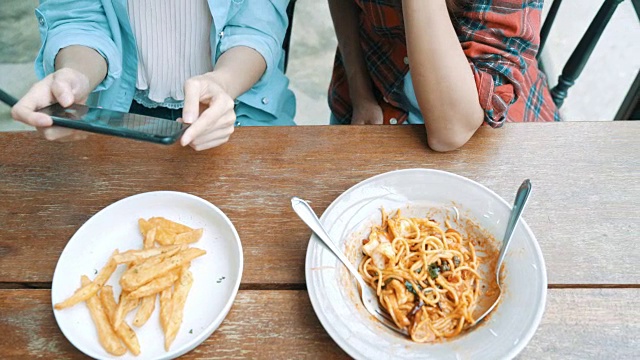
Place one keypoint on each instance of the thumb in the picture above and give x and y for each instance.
(62, 91)
(191, 107)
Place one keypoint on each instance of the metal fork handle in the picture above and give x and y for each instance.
(518, 205)
(309, 217)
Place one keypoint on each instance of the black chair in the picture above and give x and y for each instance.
(7, 99)
(630, 109)
(287, 37)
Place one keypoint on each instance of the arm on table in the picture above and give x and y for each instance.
(442, 78)
(366, 109)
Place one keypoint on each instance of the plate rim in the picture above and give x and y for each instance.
(213, 326)
(314, 241)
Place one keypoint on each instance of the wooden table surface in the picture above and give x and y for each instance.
(585, 212)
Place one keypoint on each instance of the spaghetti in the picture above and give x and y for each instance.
(426, 278)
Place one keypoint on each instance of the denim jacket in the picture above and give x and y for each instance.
(104, 26)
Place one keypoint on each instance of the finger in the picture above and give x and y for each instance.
(192, 93)
(27, 115)
(210, 144)
(36, 98)
(223, 133)
(209, 120)
(55, 132)
(62, 91)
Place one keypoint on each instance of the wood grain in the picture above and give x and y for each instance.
(578, 324)
(584, 208)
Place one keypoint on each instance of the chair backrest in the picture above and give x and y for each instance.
(7, 99)
(578, 59)
(287, 36)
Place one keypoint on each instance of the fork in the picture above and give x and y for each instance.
(518, 205)
(367, 294)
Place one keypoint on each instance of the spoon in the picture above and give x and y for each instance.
(367, 294)
(518, 205)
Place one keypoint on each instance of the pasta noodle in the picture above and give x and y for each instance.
(427, 278)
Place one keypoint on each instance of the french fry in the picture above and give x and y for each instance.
(130, 305)
(144, 226)
(178, 300)
(124, 332)
(143, 273)
(164, 237)
(125, 306)
(165, 307)
(170, 226)
(108, 339)
(188, 237)
(150, 238)
(147, 305)
(137, 255)
(91, 288)
(148, 262)
(155, 286)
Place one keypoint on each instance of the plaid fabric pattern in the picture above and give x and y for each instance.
(500, 39)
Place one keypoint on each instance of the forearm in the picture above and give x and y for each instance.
(238, 69)
(442, 78)
(346, 23)
(85, 60)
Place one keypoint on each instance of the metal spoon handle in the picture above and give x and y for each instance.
(518, 205)
(308, 216)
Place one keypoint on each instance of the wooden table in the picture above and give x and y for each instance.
(584, 211)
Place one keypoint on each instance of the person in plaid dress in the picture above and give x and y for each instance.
(453, 65)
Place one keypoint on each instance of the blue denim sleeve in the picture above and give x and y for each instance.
(260, 25)
(75, 22)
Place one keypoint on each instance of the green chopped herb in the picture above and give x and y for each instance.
(191, 331)
(434, 270)
(456, 261)
(445, 266)
(418, 270)
(95, 272)
(410, 287)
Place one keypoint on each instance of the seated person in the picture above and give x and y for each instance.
(450, 64)
(211, 64)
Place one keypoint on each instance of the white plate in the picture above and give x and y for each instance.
(116, 227)
(347, 220)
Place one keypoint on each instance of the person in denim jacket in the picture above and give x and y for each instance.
(212, 64)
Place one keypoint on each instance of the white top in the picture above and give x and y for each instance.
(172, 38)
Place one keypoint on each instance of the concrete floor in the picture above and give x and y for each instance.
(596, 96)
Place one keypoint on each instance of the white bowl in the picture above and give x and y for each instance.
(347, 220)
(116, 227)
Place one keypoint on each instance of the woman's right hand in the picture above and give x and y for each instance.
(367, 113)
(66, 87)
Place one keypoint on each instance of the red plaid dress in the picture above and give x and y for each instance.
(500, 39)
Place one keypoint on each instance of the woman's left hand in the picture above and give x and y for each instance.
(210, 111)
